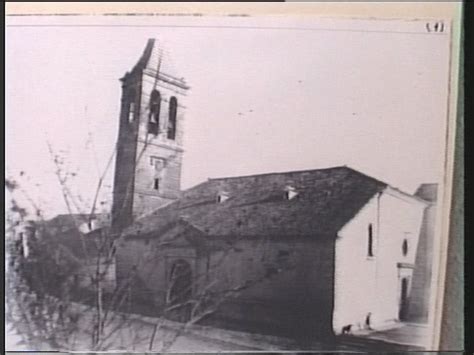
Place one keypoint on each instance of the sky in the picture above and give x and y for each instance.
(370, 95)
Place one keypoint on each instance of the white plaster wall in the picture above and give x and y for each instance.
(354, 270)
(366, 284)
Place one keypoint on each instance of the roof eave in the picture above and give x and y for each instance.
(407, 196)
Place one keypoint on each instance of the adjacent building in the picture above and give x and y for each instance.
(420, 298)
(75, 243)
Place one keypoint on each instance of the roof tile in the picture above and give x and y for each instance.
(326, 200)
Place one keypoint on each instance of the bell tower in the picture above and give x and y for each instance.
(149, 147)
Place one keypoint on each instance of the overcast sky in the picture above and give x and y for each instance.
(308, 99)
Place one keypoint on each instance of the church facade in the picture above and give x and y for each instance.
(301, 253)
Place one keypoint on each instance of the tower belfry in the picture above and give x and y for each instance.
(150, 140)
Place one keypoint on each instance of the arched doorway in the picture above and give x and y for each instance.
(179, 290)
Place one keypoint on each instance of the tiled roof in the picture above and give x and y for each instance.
(326, 200)
(75, 219)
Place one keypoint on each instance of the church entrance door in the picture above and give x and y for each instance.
(180, 290)
(403, 310)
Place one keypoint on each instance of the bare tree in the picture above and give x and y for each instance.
(49, 309)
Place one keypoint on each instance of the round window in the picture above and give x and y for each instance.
(405, 247)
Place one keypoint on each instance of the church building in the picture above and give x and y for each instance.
(302, 252)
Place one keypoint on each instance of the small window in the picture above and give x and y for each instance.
(405, 247)
(131, 112)
(172, 118)
(370, 243)
(222, 197)
(153, 161)
(156, 184)
(290, 193)
(131, 105)
(158, 163)
(154, 116)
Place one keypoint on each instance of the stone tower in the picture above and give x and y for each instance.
(149, 147)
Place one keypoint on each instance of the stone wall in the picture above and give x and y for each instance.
(134, 182)
(286, 286)
(291, 285)
(124, 177)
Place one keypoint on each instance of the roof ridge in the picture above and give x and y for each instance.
(388, 185)
(369, 177)
(325, 214)
(149, 213)
(425, 184)
(281, 173)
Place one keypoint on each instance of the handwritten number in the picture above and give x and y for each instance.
(437, 27)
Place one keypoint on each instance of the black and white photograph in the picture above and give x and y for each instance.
(225, 183)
